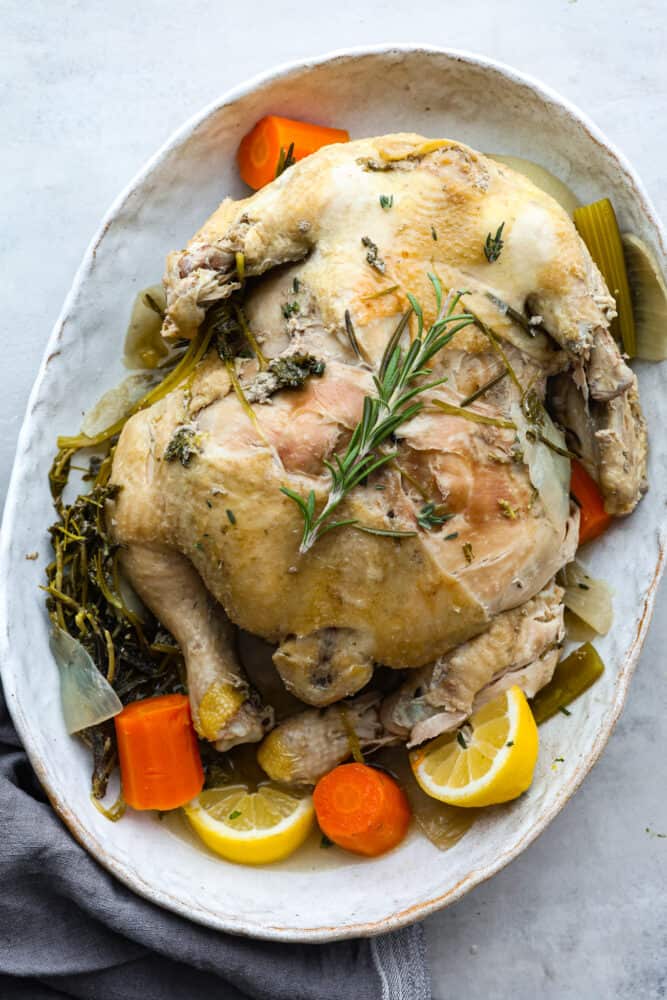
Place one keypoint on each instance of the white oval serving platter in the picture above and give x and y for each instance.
(318, 895)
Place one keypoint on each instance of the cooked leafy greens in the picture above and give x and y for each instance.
(87, 597)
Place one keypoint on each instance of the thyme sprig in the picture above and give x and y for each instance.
(430, 517)
(397, 385)
(285, 159)
(494, 244)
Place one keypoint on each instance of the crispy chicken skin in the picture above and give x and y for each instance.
(316, 243)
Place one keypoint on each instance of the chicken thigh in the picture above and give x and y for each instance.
(322, 267)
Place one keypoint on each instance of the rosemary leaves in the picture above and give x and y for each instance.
(398, 384)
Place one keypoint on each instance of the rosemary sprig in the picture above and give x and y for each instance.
(394, 403)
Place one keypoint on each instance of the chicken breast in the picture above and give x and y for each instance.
(322, 269)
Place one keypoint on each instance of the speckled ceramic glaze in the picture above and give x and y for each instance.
(319, 895)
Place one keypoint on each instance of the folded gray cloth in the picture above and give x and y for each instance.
(69, 929)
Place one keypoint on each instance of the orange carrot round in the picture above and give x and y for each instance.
(259, 152)
(593, 518)
(361, 809)
(160, 765)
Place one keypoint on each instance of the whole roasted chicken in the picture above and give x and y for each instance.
(439, 560)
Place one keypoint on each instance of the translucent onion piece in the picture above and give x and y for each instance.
(116, 404)
(549, 472)
(444, 825)
(541, 178)
(649, 299)
(87, 697)
(144, 345)
(588, 598)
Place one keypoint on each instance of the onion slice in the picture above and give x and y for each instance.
(541, 178)
(116, 404)
(588, 598)
(549, 472)
(87, 696)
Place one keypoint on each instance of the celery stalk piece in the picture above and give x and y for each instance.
(599, 230)
(572, 677)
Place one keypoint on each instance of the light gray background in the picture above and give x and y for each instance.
(89, 91)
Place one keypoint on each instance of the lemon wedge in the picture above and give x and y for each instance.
(490, 760)
(251, 828)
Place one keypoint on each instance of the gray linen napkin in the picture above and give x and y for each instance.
(69, 929)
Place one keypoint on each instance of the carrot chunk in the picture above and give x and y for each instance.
(593, 518)
(361, 809)
(160, 765)
(260, 151)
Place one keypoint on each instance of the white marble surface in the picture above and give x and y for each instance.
(89, 90)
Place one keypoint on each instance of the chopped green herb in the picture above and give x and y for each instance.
(296, 285)
(380, 292)
(286, 372)
(285, 160)
(467, 552)
(494, 244)
(199, 546)
(289, 309)
(482, 389)
(373, 255)
(662, 836)
(149, 301)
(235, 814)
(453, 534)
(386, 200)
(325, 842)
(565, 711)
(428, 517)
(583, 586)
(184, 446)
(507, 510)
(460, 739)
(434, 234)
(232, 516)
(383, 532)
(208, 503)
(510, 743)
(380, 486)
(559, 760)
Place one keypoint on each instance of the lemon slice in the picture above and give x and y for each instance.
(490, 760)
(649, 298)
(251, 828)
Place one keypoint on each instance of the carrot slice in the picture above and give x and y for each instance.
(361, 809)
(260, 151)
(593, 518)
(160, 765)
